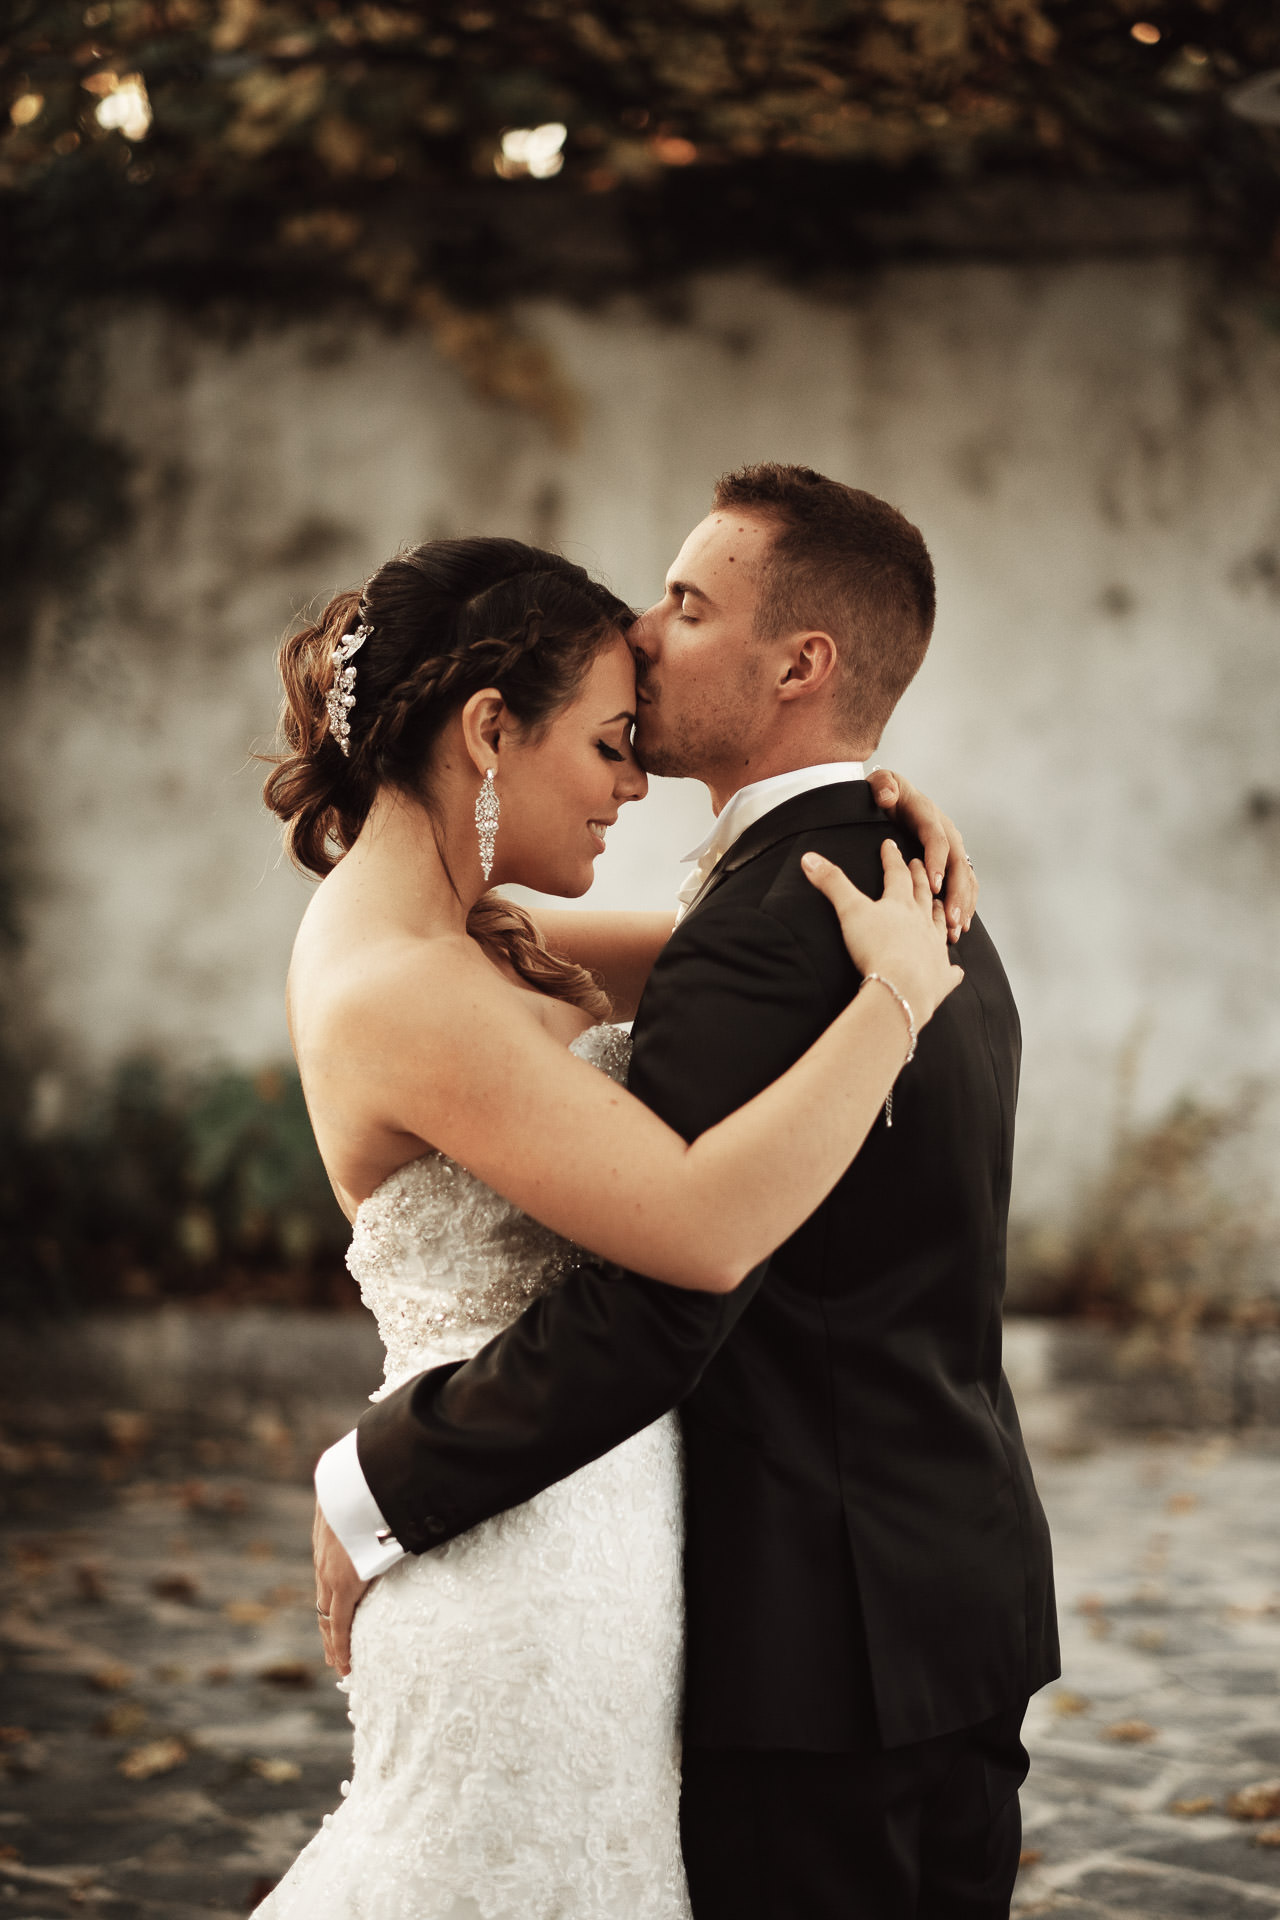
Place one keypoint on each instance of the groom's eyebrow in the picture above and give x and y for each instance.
(680, 587)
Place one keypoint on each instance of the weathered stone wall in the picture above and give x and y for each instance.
(1093, 452)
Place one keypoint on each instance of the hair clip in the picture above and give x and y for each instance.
(341, 696)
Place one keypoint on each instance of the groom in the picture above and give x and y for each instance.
(867, 1570)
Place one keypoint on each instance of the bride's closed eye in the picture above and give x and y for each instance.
(608, 752)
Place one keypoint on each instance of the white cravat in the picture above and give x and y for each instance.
(750, 804)
(341, 1488)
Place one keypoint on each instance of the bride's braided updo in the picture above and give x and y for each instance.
(446, 619)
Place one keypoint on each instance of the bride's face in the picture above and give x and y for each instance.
(560, 788)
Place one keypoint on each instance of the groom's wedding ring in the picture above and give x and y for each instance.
(322, 1616)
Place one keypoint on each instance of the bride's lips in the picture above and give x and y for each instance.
(597, 829)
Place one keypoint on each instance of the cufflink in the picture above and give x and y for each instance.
(385, 1537)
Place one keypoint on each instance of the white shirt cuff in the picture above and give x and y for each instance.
(352, 1511)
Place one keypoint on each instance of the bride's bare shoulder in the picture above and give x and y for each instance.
(395, 983)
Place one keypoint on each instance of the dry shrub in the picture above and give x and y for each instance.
(1174, 1236)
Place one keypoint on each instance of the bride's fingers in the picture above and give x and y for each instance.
(898, 882)
(920, 886)
(832, 881)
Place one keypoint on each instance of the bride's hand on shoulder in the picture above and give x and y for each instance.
(945, 860)
(902, 936)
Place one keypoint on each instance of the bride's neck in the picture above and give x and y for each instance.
(426, 868)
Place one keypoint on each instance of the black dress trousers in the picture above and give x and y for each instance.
(930, 1831)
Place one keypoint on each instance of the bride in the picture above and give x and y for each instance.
(515, 1694)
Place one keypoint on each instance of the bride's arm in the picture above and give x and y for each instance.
(459, 1061)
(619, 948)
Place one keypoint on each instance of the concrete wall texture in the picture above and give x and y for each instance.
(1093, 452)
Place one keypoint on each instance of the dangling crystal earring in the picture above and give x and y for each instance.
(487, 811)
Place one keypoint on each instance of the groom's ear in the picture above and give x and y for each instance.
(810, 661)
(483, 720)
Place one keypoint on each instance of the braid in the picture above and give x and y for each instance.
(446, 619)
(508, 933)
(477, 657)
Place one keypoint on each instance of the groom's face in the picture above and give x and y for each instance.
(704, 677)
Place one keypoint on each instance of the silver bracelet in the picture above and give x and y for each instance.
(905, 1004)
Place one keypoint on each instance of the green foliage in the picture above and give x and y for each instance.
(165, 1185)
(284, 155)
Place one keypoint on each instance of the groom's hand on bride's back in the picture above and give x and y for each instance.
(339, 1591)
(945, 861)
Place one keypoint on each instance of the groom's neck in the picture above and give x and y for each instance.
(814, 753)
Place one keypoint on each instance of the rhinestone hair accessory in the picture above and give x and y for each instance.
(487, 810)
(341, 696)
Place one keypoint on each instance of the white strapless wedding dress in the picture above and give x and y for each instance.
(515, 1694)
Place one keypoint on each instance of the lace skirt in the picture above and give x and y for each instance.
(515, 1697)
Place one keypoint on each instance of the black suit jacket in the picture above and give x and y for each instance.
(867, 1559)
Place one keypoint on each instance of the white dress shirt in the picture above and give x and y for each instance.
(748, 805)
(341, 1488)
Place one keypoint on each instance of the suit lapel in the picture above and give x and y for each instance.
(848, 803)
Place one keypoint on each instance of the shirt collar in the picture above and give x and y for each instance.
(750, 804)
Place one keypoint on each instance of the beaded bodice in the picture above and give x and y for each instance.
(444, 1262)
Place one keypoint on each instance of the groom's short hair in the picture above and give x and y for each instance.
(845, 563)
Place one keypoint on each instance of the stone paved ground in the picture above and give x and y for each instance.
(1169, 1581)
(171, 1737)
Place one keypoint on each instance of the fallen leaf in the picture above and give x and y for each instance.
(1090, 1603)
(1261, 1801)
(30, 1758)
(9, 1852)
(287, 1596)
(14, 1736)
(1067, 1703)
(1182, 1503)
(1030, 1857)
(175, 1586)
(276, 1772)
(246, 1613)
(127, 1430)
(1131, 1731)
(158, 1756)
(114, 1677)
(34, 1559)
(288, 1673)
(217, 1676)
(1267, 1837)
(1201, 1803)
(89, 1583)
(122, 1721)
